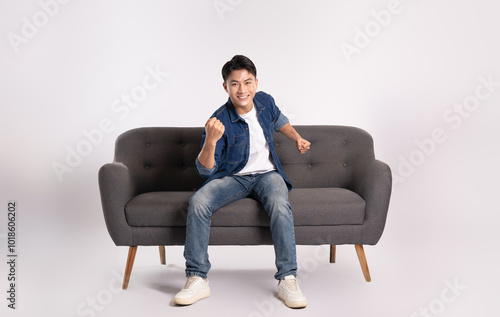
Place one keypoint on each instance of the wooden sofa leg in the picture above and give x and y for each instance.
(333, 250)
(162, 255)
(362, 260)
(130, 263)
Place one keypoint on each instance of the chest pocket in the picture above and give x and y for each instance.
(236, 149)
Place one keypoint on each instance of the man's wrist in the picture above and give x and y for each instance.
(296, 137)
(210, 143)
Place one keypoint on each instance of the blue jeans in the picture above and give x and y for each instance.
(269, 189)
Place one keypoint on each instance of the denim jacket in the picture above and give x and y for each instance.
(233, 148)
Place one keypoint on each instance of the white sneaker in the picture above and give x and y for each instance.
(290, 293)
(196, 288)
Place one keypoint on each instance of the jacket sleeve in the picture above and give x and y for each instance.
(279, 118)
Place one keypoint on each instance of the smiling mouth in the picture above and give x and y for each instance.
(243, 97)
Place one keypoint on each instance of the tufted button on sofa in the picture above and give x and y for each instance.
(341, 192)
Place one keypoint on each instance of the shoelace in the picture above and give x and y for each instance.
(190, 282)
(291, 284)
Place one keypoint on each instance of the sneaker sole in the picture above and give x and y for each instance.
(297, 304)
(192, 300)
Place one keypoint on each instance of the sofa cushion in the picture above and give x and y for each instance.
(310, 207)
(326, 206)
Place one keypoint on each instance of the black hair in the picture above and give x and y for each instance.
(236, 63)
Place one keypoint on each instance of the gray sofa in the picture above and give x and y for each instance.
(341, 192)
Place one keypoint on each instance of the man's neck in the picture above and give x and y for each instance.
(245, 110)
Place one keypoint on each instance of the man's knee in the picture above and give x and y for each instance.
(277, 204)
(199, 205)
(281, 206)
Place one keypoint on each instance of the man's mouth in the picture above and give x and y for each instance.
(243, 97)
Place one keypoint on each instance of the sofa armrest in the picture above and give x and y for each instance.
(374, 185)
(117, 187)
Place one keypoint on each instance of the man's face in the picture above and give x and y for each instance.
(241, 87)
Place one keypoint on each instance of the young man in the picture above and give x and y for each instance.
(239, 159)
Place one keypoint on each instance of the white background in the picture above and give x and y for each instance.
(62, 77)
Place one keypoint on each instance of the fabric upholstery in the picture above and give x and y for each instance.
(332, 206)
(341, 192)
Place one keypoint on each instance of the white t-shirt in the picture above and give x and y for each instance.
(259, 160)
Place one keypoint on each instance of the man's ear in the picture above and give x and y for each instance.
(225, 87)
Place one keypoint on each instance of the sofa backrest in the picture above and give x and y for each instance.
(336, 152)
(162, 158)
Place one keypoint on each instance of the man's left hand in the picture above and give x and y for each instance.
(302, 145)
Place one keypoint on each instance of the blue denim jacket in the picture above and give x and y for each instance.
(233, 148)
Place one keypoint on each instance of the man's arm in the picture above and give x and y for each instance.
(214, 130)
(302, 144)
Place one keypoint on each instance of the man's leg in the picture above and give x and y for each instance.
(209, 198)
(271, 191)
(214, 195)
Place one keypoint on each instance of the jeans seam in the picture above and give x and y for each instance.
(230, 200)
(192, 273)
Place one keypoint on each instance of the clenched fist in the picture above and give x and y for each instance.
(302, 145)
(214, 130)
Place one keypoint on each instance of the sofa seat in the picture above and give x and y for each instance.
(310, 207)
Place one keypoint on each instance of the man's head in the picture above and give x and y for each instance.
(236, 63)
(240, 82)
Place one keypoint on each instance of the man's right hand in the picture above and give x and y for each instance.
(214, 130)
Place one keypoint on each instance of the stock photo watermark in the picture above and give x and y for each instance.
(122, 107)
(222, 7)
(453, 118)
(93, 305)
(447, 296)
(363, 36)
(12, 254)
(30, 28)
